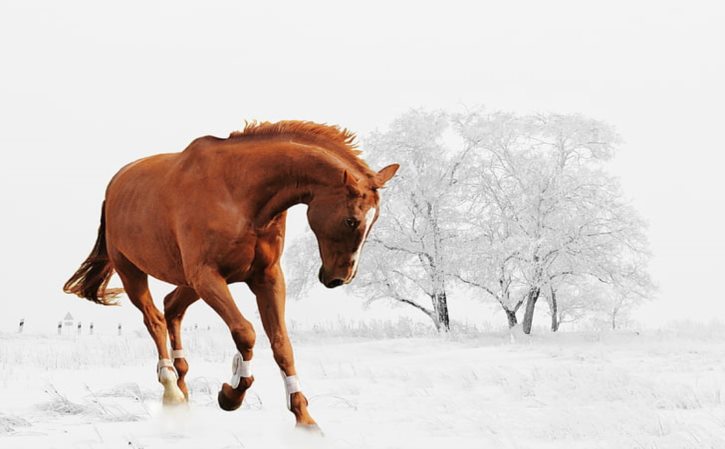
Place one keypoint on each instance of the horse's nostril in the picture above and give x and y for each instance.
(334, 283)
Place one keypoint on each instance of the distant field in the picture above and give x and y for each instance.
(585, 390)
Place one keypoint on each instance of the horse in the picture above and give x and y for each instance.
(214, 214)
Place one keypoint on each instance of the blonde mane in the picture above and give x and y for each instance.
(340, 141)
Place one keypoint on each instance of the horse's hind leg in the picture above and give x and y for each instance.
(135, 282)
(175, 305)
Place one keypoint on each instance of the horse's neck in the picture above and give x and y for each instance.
(293, 178)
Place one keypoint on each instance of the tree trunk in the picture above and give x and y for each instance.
(554, 312)
(530, 305)
(511, 317)
(614, 319)
(440, 304)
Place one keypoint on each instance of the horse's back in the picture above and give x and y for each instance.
(156, 169)
(151, 184)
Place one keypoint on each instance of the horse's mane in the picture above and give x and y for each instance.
(341, 141)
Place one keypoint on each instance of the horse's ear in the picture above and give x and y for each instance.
(385, 174)
(350, 182)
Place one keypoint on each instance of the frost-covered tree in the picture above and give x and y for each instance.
(301, 262)
(573, 298)
(547, 201)
(489, 250)
(518, 207)
(627, 280)
(408, 257)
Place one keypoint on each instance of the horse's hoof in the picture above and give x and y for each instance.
(173, 395)
(174, 401)
(173, 398)
(229, 399)
(312, 429)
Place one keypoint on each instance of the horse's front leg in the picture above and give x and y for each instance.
(212, 288)
(269, 288)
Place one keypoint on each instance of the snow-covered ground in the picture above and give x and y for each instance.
(576, 390)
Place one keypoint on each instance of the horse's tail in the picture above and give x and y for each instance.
(92, 277)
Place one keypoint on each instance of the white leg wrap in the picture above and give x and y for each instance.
(178, 354)
(240, 368)
(163, 373)
(291, 385)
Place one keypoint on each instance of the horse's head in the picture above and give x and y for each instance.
(341, 219)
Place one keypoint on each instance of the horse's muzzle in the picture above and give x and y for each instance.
(329, 283)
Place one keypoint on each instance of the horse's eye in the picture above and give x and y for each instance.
(351, 222)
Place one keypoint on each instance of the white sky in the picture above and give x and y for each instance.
(86, 86)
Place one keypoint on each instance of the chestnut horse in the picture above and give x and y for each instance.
(215, 214)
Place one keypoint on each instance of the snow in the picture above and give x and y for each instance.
(660, 389)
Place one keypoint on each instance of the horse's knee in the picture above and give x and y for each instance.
(281, 350)
(244, 336)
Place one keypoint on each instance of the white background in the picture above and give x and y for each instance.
(86, 87)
